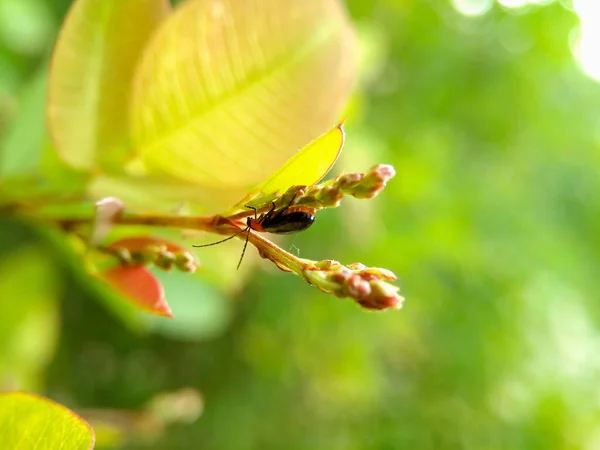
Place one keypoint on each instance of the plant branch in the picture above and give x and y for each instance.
(213, 224)
(367, 286)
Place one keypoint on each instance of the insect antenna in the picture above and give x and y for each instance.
(224, 240)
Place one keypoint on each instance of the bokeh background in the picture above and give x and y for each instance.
(489, 113)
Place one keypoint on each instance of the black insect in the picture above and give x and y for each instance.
(289, 219)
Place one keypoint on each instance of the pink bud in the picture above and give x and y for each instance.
(384, 171)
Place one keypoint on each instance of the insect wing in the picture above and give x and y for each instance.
(307, 167)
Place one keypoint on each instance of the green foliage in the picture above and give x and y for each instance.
(28, 422)
(31, 308)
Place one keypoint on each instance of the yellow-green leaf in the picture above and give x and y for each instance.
(31, 422)
(227, 91)
(90, 77)
(305, 168)
(309, 165)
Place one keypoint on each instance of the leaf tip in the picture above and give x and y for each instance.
(140, 286)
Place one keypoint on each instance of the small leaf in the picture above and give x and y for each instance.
(309, 165)
(305, 168)
(140, 286)
(90, 77)
(31, 422)
(227, 90)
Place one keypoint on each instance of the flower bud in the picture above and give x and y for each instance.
(383, 296)
(366, 285)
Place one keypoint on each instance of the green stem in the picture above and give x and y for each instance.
(278, 255)
(213, 224)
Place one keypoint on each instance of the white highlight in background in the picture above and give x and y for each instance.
(472, 7)
(587, 47)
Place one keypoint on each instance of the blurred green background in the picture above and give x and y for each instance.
(492, 225)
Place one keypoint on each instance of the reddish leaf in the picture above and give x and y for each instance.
(140, 286)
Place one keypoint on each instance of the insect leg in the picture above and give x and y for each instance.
(271, 213)
(292, 200)
(251, 207)
(244, 250)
